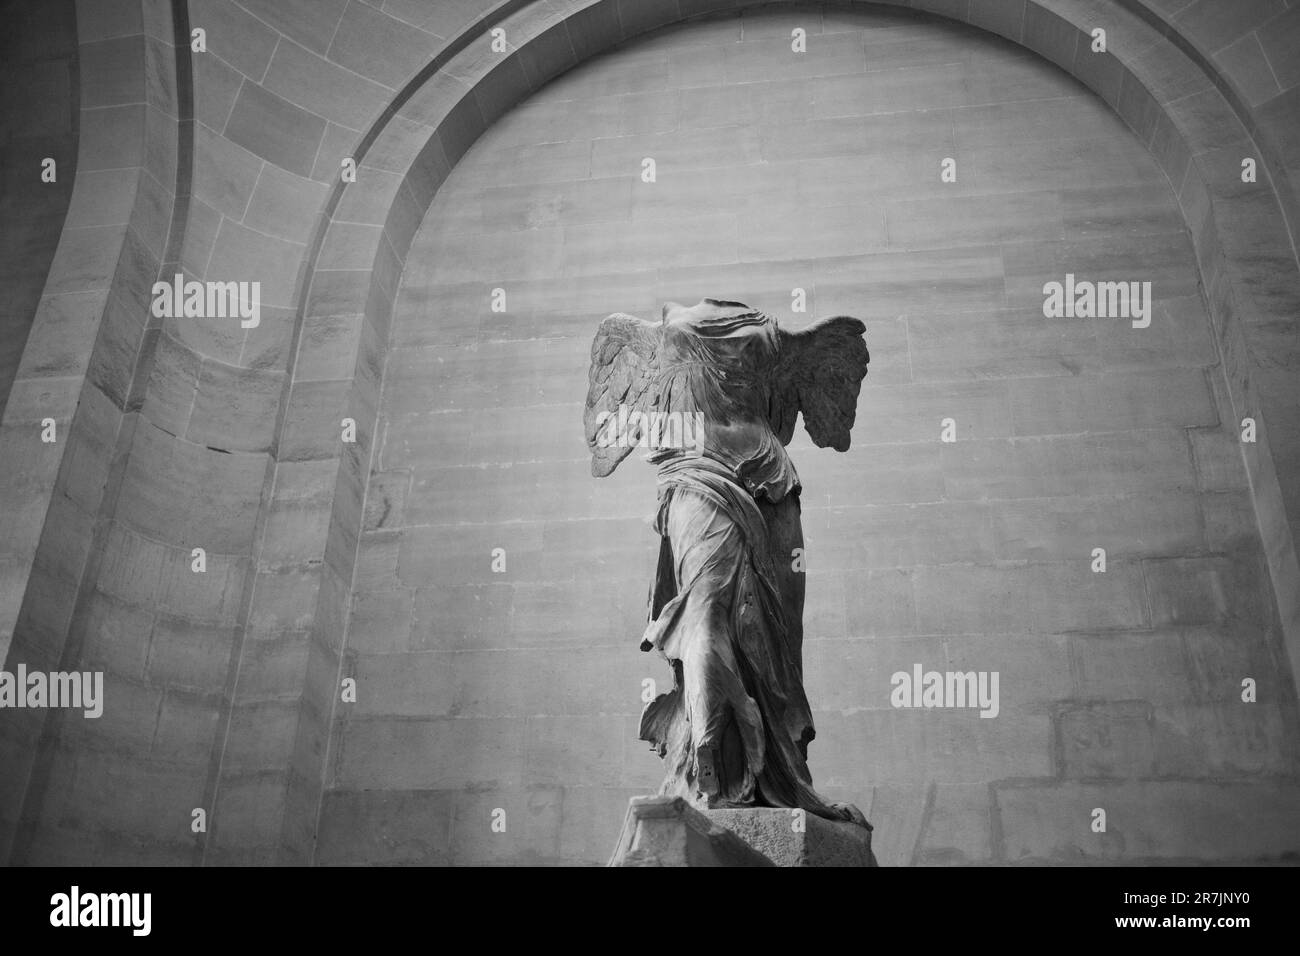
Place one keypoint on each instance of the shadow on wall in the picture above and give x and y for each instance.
(38, 122)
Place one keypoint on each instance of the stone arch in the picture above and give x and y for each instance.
(87, 354)
(399, 215)
(1171, 102)
(339, 303)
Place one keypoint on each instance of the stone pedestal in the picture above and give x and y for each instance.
(803, 840)
(667, 831)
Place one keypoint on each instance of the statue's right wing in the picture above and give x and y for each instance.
(624, 366)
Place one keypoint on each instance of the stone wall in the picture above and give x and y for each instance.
(520, 689)
(224, 164)
(81, 585)
(39, 102)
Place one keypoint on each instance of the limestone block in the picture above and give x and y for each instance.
(365, 29)
(275, 129)
(235, 36)
(1006, 19)
(1209, 26)
(112, 71)
(324, 89)
(818, 842)
(398, 827)
(666, 831)
(1280, 36)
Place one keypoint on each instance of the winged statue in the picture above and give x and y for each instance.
(712, 392)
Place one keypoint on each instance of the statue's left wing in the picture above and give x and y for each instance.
(624, 366)
(819, 371)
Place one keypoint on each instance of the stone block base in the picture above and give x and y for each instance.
(667, 831)
(804, 839)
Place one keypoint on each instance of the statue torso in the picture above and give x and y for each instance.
(718, 367)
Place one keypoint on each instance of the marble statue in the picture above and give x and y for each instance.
(712, 392)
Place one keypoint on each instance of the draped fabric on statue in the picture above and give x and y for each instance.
(726, 607)
(738, 702)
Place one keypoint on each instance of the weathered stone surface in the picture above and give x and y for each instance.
(726, 609)
(790, 838)
(666, 831)
(1069, 433)
(1106, 462)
